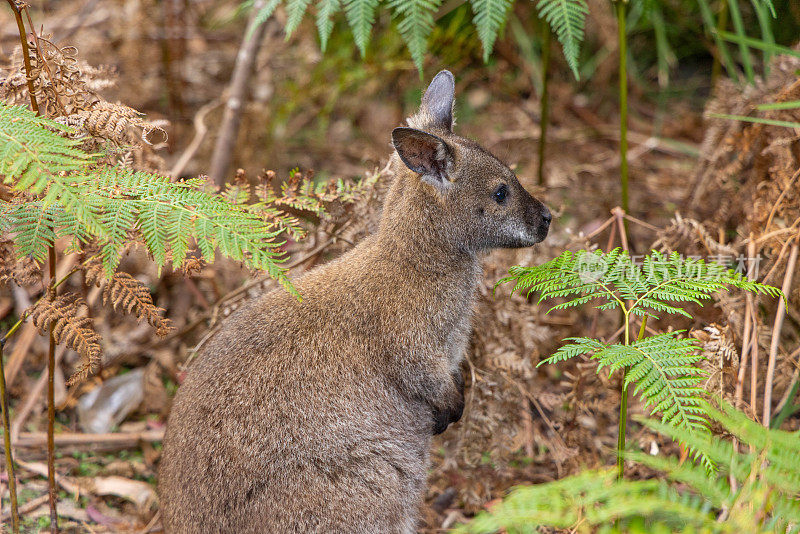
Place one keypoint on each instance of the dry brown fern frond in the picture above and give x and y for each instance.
(721, 356)
(24, 271)
(114, 122)
(192, 265)
(27, 272)
(746, 167)
(62, 83)
(508, 361)
(686, 232)
(66, 89)
(7, 259)
(126, 293)
(117, 123)
(76, 332)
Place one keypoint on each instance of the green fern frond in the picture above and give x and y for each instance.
(567, 18)
(263, 14)
(593, 497)
(295, 9)
(415, 25)
(685, 499)
(662, 367)
(31, 149)
(613, 278)
(490, 15)
(32, 226)
(84, 199)
(360, 16)
(326, 9)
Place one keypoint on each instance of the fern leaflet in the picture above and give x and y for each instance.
(295, 9)
(662, 367)
(567, 18)
(361, 16)
(415, 25)
(326, 9)
(490, 15)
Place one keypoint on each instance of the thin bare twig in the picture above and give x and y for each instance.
(619, 214)
(29, 402)
(600, 228)
(746, 339)
(778, 260)
(775, 233)
(200, 131)
(776, 332)
(29, 506)
(751, 253)
(77, 439)
(745, 352)
(229, 129)
(640, 222)
(753, 360)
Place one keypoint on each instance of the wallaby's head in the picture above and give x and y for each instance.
(473, 200)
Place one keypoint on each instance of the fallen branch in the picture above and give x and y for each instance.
(28, 507)
(116, 439)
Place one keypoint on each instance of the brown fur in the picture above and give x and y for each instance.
(317, 416)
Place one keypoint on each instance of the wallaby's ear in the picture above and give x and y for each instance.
(425, 154)
(437, 103)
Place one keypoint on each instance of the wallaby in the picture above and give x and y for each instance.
(317, 415)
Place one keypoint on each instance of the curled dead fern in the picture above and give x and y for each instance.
(125, 293)
(114, 122)
(68, 328)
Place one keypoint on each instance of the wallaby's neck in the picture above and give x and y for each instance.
(411, 231)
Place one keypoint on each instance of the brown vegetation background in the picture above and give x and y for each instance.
(700, 186)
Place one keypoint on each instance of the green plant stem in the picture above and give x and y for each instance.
(623, 101)
(51, 406)
(744, 52)
(547, 40)
(12, 482)
(623, 404)
(623, 425)
(788, 409)
(722, 25)
(4, 399)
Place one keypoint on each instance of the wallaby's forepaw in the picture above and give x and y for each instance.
(443, 417)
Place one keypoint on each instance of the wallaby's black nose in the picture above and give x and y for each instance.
(547, 217)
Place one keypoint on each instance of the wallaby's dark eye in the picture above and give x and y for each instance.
(500, 193)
